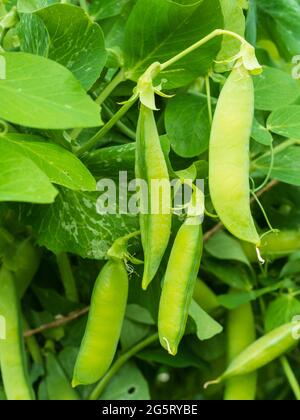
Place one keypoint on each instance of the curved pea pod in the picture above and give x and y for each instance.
(156, 215)
(57, 384)
(12, 351)
(179, 283)
(240, 334)
(275, 245)
(263, 351)
(229, 156)
(104, 324)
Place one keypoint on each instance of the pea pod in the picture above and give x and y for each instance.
(205, 297)
(229, 156)
(263, 351)
(151, 166)
(104, 324)
(57, 383)
(179, 284)
(240, 334)
(12, 352)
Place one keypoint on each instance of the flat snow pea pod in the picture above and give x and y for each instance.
(179, 283)
(12, 351)
(156, 214)
(104, 324)
(229, 156)
(240, 334)
(263, 351)
(57, 384)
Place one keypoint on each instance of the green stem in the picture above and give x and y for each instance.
(269, 171)
(212, 35)
(32, 345)
(208, 94)
(119, 78)
(67, 277)
(263, 211)
(120, 125)
(290, 377)
(284, 145)
(106, 128)
(96, 393)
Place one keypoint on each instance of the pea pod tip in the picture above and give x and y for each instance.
(210, 383)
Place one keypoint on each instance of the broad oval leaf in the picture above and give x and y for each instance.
(281, 311)
(103, 9)
(261, 134)
(286, 121)
(187, 124)
(274, 89)
(157, 30)
(59, 165)
(21, 180)
(39, 93)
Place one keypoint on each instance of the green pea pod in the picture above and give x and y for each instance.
(240, 334)
(155, 222)
(229, 156)
(57, 384)
(12, 351)
(275, 245)
(179, 284)
(205, 297)
(263, 351)
(104, 324)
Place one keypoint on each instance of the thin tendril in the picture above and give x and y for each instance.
(269, 171)
(263, 211)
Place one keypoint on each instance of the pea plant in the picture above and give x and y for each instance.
(149, 199)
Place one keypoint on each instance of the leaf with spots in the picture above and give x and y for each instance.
(72, 224)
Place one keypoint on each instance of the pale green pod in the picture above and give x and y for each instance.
(104, 324)
(179, 284)
(156, 219)
(240, 334)
(229, 156)
(12, 351)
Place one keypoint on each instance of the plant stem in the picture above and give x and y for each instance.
(291, 377)
(67, 277)
(119, 78)
(105, 129)
(282, 146)
(212, 35)
(269, 171)
(208, 94)
(120, 125)
(32, 345)
(96, 393)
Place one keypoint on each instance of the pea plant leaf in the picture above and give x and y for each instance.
(29, 6)
(174, 27)
(286, 121)
(59, 165)
(206, 326)
(187, 125)
(286, 167)
(261, 134)
(274, 89)
(103, 9)
(281, 311)
(33, 34)
(37, 92)
(79, 228)
(21, 180)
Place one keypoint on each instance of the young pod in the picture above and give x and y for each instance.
(229, 155)
(156, 215)
(104, 324)
(240, 334)
(179, 283)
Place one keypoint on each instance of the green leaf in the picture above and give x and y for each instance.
(128, 384)
(206, 326)
(261, 134)
(274, 89)
(21, 180)
(157, 30)
(286, 166)
(103, 9)
(33, 34)
(285, 121)
(132, 333)
(183, 359)
(235, 276)
(60, 166)
(187, 124)
(29, 6)
(74, 41)
(72, 224)
(281, 311)
(282, 18)
(225, 247)
(40, 93)
(139, 314)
